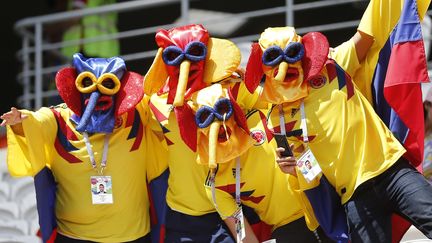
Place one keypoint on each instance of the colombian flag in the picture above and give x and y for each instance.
(396, 66)
(396, 83)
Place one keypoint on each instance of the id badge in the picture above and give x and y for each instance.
(308, 165)
(101, 189)
(240, 227)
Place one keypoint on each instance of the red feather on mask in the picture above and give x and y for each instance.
(187, 126)
(65, 83)
(130, 94)
(254, 71)
(316, 52)
(239, 115)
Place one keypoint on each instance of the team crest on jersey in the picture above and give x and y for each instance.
(259, 137)
(317, 82)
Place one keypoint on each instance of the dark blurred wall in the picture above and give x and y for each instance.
(13, 11)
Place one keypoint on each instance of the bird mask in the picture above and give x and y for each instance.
(189, 60)
(222, 128)
(287, 62)
(98, 90)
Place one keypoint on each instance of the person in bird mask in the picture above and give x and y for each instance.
(101, 135)
(188, 60)
(237, 147)
(358, 165)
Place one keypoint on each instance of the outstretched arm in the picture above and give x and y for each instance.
(14, 119)
(362, 43)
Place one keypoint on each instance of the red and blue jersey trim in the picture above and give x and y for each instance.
(64, 135)
(136, 131)
(344, 80)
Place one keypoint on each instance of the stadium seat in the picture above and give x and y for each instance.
(20, 239)
(33, 226)
(20, 187)
(28, 208)
(13, 228)
(4, 191)
(9, 211)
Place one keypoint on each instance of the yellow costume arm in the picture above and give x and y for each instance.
(309, 215)
(28, 154)
(245, 99)
(156, 148)
(156, 153)
(346, 56)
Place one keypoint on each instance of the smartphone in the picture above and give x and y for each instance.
(283, 142)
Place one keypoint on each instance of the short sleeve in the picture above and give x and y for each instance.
(309, 215)
(345, 56)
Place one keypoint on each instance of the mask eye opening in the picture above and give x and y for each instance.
(108, 83)
(294, 52)
(204, 116)
(85, 82)
(196, 51)
(172, 55)
(223, 106)
(272, 56)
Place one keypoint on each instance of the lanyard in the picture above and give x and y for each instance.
(91, 154)
(237, 185)
(303, 123)
(237, 181)
(238, 214)
(282, 120)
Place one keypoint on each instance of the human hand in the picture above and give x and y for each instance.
(12, 117)
(286, 164)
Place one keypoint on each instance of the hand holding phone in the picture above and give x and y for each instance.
(282, 142)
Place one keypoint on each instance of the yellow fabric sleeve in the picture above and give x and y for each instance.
(346, 56)
(28, 154)
(156, 147)
(309, 215)
(156, 154)
(247, 100)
